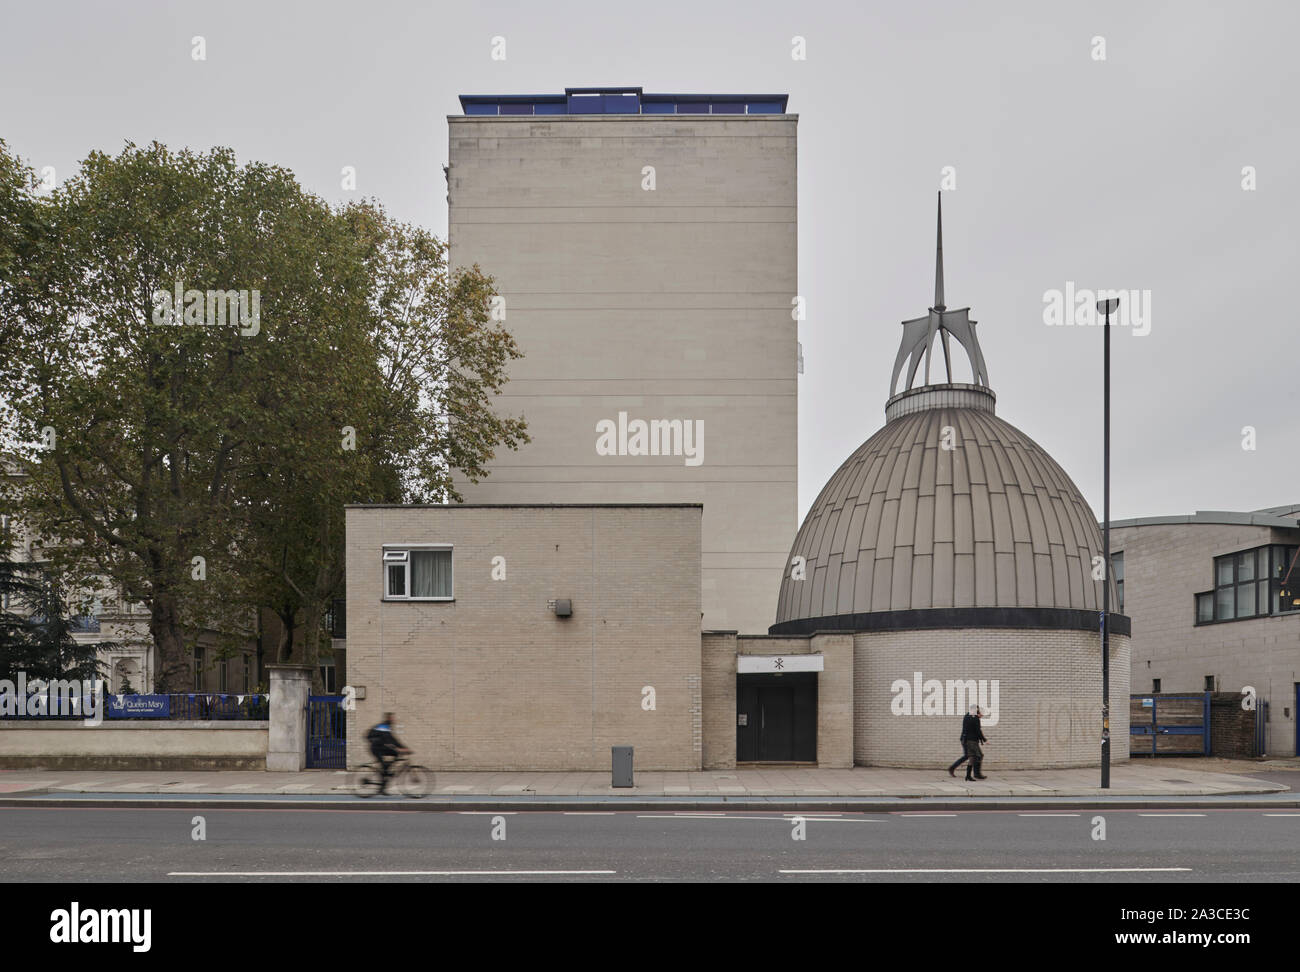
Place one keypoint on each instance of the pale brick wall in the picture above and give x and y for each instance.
(1165, 566)
(667, 304)
(494, 680)
(718, 666)
(1049, 696)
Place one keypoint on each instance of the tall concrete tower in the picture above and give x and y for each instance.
(645, 246)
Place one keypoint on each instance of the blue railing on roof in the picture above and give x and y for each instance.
(624, 101)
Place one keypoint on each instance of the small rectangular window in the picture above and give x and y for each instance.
(397, 580)
(1155, 685)
(1209, 683)
(418, 574)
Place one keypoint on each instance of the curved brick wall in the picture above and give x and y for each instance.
(1049, 697)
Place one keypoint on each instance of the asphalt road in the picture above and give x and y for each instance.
(157, 845)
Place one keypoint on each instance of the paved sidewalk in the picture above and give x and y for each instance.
(1157, 778)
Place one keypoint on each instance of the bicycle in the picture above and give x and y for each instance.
(407, 778)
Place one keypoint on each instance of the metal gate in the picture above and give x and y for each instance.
(1169, 725)
(326, 732)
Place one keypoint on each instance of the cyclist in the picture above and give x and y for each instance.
(385, 747)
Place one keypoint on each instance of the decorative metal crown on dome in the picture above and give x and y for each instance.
(919, 334)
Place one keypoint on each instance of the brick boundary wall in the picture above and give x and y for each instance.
(1232, 728)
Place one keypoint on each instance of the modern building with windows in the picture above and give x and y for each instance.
(645, 248)
(1216, 599)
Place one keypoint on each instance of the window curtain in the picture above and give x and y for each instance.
(430, 573)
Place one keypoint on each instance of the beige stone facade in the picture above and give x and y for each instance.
(671, 303)
(494, 679)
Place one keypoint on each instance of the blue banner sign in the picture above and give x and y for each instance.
(139, 706)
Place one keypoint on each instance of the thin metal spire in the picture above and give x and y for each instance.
(938, 260)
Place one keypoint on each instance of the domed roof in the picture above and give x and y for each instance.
(906, 524)
(947, 513)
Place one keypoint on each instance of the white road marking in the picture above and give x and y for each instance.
(1282, 814)
(487, 813)
(1171, 815)
(722, 816)
(589, 813)
(988, 870)
(927, 815)
(369, 873)
(1049, 815)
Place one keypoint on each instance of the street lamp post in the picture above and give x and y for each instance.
(1105, 306)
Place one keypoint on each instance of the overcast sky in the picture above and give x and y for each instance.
(1118, 173)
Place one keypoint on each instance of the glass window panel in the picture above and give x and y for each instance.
(1224, 603)
(1246, 566)
(430, 573)
(1223, 573)
(397, 580)
(1204, 607)
(1117, 566)
(1246, 601)
(1264, 606)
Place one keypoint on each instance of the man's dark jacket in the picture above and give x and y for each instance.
(382, 740)
(970, 728)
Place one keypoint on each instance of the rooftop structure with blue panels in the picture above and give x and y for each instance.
(624, 101)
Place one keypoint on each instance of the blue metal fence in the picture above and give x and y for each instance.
(326, 732)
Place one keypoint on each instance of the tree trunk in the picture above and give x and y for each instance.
(284, 649)
(173, 664)
(312, 615)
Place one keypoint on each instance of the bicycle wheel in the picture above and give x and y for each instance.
(415, 782)
(365, 780)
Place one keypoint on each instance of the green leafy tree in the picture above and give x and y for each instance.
(36, 632)
(203, 467)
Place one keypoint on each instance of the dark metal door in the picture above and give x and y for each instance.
(776, 718)
(326, 732)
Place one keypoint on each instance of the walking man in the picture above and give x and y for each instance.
(971, 737)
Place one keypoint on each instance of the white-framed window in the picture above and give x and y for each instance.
(417, 572)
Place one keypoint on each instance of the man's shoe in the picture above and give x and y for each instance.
(952, 771)
(969, 778)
